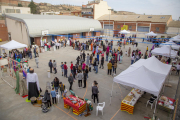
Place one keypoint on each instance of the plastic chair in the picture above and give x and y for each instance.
(100, 108)
(151, 102)
(48, 85)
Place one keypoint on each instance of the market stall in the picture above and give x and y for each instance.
(146, 75)
(166, 104)
(172, 44)
(77, 104)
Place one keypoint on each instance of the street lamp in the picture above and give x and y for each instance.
(109, 20)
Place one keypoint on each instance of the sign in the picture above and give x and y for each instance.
(44, 32)
(91, 29)
(124, 27)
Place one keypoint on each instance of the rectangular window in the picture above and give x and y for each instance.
(130, 27)
(118, 26)
(10, 11)
(17, 10)
(157, 29)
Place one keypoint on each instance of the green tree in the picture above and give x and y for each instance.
(33, 7)
(20, 5)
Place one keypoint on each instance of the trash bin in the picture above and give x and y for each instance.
(49, 75)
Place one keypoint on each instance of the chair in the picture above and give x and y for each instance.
(58, 96)
(48, 85)
(100, 108)
(151, 102)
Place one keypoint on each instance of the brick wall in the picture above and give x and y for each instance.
(162, 28)
(97, 33)
(37, 40)
(59, 37)
(76, 36)
(3, 32)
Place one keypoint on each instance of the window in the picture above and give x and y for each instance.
(162, 17)
(17, 10)
(10, 11)
(157, 28)
(149, 16)
(130, 27)
(118, 26)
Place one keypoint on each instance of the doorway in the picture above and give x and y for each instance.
(32, 41)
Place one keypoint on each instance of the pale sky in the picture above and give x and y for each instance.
(155, 7)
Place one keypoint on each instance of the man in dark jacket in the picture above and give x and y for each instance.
(85, 78)
(50, 65)
(102, 62)
(95, 92)
(71, 80)
(84, 56)
(47, 98)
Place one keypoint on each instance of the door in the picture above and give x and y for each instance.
(49, 38)
(143, 29)
(32, 41)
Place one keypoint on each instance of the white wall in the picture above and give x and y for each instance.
(23, 10)
(101, 9)
(173, 30)
(18, 31)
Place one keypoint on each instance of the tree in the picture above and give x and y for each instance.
(33, 7)
(20, 5)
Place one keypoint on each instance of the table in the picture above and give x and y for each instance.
(129, 101)
(77, 109)
(168, 108)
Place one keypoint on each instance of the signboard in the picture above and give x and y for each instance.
(124, 27)
(91, 29)
(44, 32)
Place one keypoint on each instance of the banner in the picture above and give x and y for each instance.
(125, 27)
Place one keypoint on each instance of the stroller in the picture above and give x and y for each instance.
(43, 106)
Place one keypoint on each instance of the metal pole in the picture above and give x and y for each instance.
(111, 92)
(155, 108)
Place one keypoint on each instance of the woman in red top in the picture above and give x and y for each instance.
(71, 67)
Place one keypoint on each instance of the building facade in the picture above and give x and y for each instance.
(95, 9)
(12, 9)
(28, 29)
(173, 27)
(137, 23)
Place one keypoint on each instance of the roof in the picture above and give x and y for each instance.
(174, 24)
(151, 18)
(56, 24)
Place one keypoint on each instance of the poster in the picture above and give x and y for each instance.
(124, 27)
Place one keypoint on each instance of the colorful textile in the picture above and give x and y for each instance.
(17, 82)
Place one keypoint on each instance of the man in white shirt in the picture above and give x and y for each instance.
(132, 59)
(178, 68)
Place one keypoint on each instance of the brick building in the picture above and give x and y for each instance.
(28, 29)
(76, 13)
(139, 23)
(3, 31)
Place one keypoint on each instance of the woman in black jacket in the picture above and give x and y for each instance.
(47, 98)
(56, 83)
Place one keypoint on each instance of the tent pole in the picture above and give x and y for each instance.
(155, 108)
(111, 92)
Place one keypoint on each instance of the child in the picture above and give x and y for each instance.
(47, 98)
(126, 53)
(53, 94)
(62, 67)
(62, 88)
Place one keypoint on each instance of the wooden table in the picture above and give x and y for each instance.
(129, 101)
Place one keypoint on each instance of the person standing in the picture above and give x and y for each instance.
(47, 98)
(35, 52)
(80, 77)
(109, 67)
(54, 66)
(65, 70)
(84, 55)
(96, 65)
(132, 59)
(115, 66)
(62, 68)
(147, 48)
(37, 61)
(98, 57)
(85, 78)
(32, 84)
(65, 42)
(87, 60)
(83, 66)
(95, 92)
(53, 94)
(112, 61)
(50, 65)
(71, 67)
(56, 83)
(71, 80)
(62, 88)
(129, 51)
(102, 62)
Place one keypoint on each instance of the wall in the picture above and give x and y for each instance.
(18, 31)
(162, 28)
(101, 9)
(173, 30)
(3, 32)
(76, 36)
(24, 10)
(59, 37)
(37, 40)
(97, 33)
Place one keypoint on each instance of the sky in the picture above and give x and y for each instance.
(149, 7)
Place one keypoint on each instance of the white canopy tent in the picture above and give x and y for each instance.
(172, 44)
(13, 45)
(146, 74)
(165, 51)
(124, 32)
(151, 34)
(176, 38)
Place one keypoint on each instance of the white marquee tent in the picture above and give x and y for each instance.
(124, 32)
(151, 34)
(165, 51)
(12, 45)
(147, 75)
(172, 44)
(176, 38)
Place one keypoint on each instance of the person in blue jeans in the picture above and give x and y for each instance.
(132, 59)
(56, 83)
(53, 94)
(96, 65)
(62, 88)
(107, 54)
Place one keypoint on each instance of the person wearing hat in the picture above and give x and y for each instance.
(32, 84)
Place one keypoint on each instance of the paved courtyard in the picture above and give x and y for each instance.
(14, 107)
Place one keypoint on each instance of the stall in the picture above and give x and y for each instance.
(77, 104)
(12, 45)
(172, 44)
(146, 75)
(166, 104)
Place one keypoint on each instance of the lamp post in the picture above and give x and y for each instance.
(109, 20)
